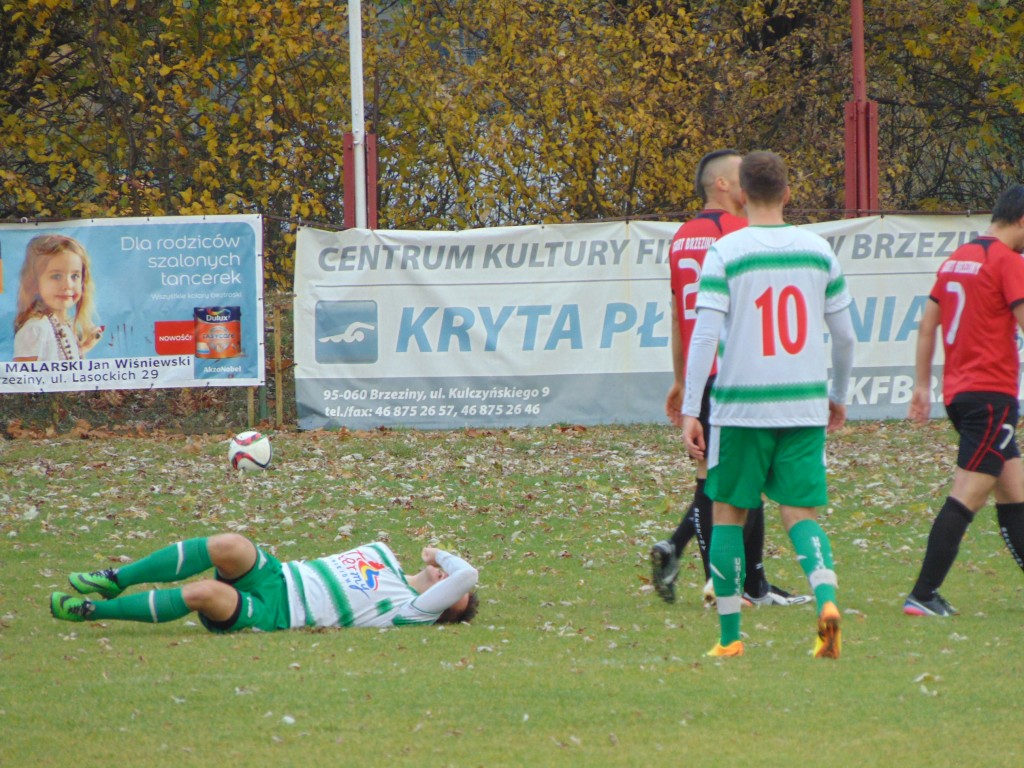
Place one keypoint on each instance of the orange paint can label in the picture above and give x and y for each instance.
(218, 332)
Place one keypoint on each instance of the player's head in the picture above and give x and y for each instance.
(1008, 217)
(1009, 208)
(720, 164)
(462, 610)
(763, 178)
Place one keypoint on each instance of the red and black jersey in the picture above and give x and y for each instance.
(976, 289)
(686, 260)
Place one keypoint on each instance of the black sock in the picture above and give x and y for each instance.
(702, 522)
(755, 584)
(1011, 525)
(684, 532)
(943, 545)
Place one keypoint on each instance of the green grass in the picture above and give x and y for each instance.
(572, 660)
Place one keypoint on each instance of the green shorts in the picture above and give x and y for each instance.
(787, 465)
(263, 599)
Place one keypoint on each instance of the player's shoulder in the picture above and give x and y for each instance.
(811, 237)
(711, 221)
(984, 251)
(730, 223)
(1001, 250)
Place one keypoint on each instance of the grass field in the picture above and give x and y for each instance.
(572, 660)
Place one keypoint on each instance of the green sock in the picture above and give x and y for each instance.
(157, 606)
(173, 563)
(814, 552)
(727, 572)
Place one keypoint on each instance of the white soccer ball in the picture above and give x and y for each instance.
(249, 451)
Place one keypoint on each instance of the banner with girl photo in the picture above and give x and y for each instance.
(131, 303)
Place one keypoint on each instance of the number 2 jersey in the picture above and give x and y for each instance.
(689, 247)
(366, 587)
(775, 285)
(976, 289)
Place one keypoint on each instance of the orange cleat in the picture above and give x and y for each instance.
(735, 648)
(829, 639)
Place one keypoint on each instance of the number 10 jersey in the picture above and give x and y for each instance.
(775, 285)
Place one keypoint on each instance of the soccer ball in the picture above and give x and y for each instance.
(250, 451)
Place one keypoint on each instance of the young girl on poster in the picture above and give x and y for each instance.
(55, 302)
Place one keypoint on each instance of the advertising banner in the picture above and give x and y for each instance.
(131, 303)
(566, 323)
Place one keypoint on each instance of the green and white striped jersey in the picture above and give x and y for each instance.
(775, 285)
(366, 587)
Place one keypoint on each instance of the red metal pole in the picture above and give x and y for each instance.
(348, 180)
(860, 88)
(371, 180)
(861, 126)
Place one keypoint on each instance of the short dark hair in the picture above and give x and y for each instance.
(1010, 206)
(451, 616)
(702, 166)
(763, 177)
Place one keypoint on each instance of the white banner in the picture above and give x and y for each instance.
(176, 302)
(566, 323)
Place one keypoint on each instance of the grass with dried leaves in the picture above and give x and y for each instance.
(572, 660)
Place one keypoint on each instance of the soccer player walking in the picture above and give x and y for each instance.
(766, 296)
(717, 182)
(978, 300)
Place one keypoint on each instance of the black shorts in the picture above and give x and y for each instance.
(986, 423)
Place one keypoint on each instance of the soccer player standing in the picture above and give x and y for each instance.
(766, 295)
(717, 182)
(978, 300)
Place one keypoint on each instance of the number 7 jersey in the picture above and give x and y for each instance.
(976, 289)
(775, 285)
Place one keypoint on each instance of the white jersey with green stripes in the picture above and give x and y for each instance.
(366, 587)
(775, 285)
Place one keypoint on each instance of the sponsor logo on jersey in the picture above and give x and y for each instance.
(369, 571)
(361, 573)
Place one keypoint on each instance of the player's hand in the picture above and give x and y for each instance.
(429, 556)
(920, 409)
(674, 405)
(693, 435)
(836, 416)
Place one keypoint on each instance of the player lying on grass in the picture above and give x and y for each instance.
(251, 589)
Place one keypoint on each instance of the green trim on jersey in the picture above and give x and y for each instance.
(835, 287)
(770, 393)
(384, 606)
(402, 621)
(712, 284)
(341, 604)
(769, 260)
(391, 562)
(293, 568)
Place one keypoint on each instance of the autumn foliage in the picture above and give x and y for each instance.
(489, 112)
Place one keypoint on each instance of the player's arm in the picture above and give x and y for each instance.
(462, 577)
(674, 401)
(700, 357)
(921, 400)
(840, 328)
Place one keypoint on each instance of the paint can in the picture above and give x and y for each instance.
(218, 332)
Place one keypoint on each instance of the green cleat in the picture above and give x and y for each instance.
(69, 608)
(104, 583)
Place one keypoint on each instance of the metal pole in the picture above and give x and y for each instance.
(355, 38)
(860, 87)
(278, 375)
